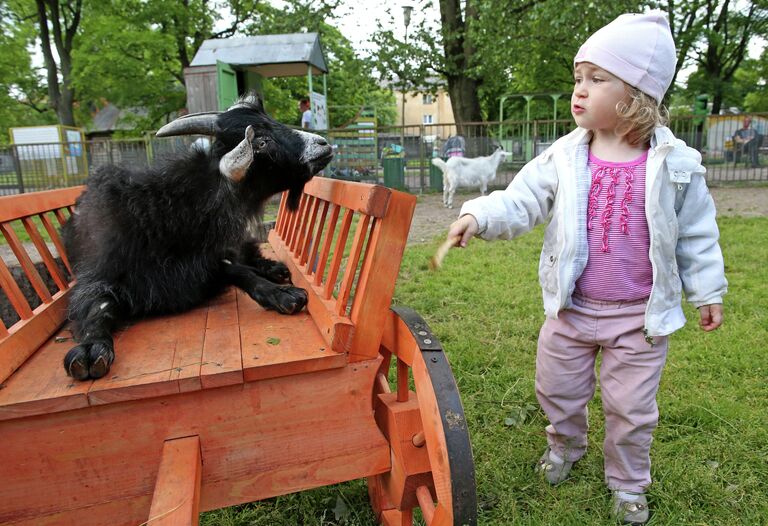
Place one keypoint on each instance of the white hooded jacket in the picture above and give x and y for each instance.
(684, 250)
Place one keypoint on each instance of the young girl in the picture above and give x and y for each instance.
(632, 226)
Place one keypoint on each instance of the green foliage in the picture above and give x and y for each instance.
(350, 83)
(132, 53)
(22, 94)
(528, 47)
(752, 79)
(719, 40)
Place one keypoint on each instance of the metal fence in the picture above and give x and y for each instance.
(363, 153)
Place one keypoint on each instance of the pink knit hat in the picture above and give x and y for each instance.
(636, 48)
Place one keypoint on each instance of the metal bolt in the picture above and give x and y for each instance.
(427, 341)
(422, 333)
(433, 359)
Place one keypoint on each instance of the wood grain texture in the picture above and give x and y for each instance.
(176, 498)
(253, 437)
(24, 205)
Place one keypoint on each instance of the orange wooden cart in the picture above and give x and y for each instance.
(229, 403)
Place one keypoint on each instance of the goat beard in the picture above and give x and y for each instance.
(294, 197)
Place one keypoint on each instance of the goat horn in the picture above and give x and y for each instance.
(235, 164)
(192, 124)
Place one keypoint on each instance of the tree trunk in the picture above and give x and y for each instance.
(459, 53)
(61, 97)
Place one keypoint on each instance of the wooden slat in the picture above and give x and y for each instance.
(368, 199)
(23, 205)
(26, 262)
(60, 216)
(130, 511)
(42, 249)
(188, 353)
(290, 222)
(54, 235)
(363, 277)
(338, 253)
(176, 499)
(13, 292)
(310, 239)
(351, 269)
(222, 360)
(281, 211)
(376, 283)
(303, 231)
(326, 245)
(296, 222)
(311, 260)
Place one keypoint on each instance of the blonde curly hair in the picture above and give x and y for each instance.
(639, 118)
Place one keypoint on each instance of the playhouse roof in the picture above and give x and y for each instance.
(285, 55)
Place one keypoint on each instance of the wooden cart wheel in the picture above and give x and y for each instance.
(432, 465)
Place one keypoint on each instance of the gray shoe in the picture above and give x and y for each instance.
(553, 472)
(630, 512)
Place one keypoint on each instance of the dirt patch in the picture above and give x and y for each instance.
(432, 219)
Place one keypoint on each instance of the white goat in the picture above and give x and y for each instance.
(462, 171)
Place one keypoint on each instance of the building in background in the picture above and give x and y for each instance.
(425, 108)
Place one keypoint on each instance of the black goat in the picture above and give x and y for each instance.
(167, 238)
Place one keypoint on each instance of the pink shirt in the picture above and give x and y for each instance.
(618, 267)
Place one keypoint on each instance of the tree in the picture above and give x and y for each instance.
(432, 60)
(753, 78)
(22, 95)
(58, 23)
(726, 31)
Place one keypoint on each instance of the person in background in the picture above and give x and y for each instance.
(454, 147)
(747, 141)
(631, 227)
(306, 114)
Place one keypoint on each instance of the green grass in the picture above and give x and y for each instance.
(710, 453)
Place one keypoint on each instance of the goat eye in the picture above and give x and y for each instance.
(261, 143)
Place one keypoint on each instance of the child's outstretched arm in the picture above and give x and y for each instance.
(463, 228)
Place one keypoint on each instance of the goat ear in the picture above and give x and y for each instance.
(192, 124)
(235, 164)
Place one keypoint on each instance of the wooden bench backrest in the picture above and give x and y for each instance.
(350, 280)
(35, 325)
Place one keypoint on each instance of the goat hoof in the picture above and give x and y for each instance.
(89, 360)
(76, 363)
(101, 356)
(292, 300)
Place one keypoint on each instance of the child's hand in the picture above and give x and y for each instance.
(711, 316)
(464, 227)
